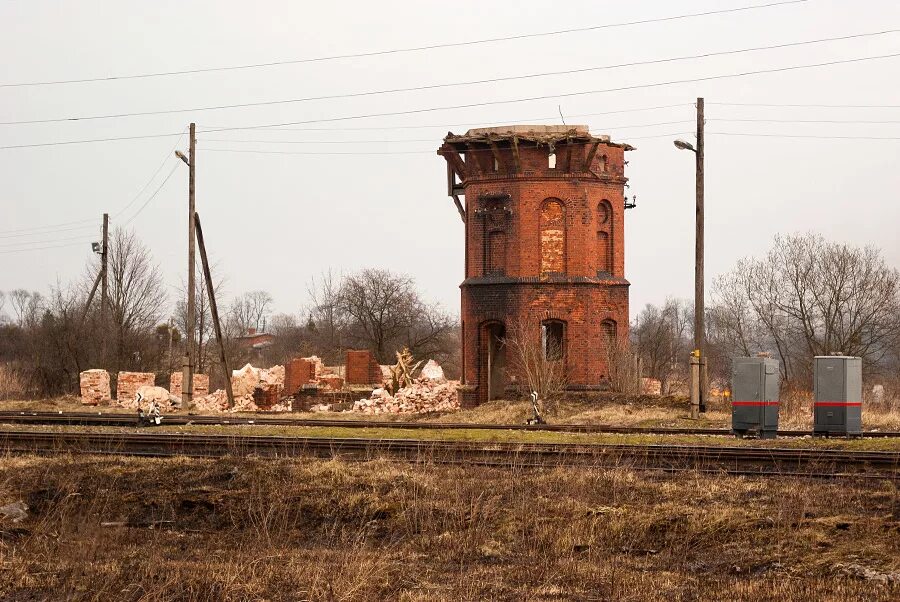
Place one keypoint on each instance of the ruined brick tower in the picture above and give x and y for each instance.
(544, 223)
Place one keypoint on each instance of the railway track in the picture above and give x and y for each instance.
(724, 459)
(119, 419)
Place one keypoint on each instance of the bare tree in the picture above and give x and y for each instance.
(2, 304)
(326, 318)
(810, 297)
(203, 322)
(137, 296)
(250, 310)
(660, 337)
(26, 305)
(538, 362)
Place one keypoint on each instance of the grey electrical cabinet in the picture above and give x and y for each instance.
(837, 391)
(754, 386)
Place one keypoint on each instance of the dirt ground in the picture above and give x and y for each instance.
(102, 528)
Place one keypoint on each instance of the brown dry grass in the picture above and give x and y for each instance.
(283, 530)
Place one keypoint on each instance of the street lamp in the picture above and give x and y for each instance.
(699, 391)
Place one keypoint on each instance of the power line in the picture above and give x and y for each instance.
(83, 221)
(266, 152)
(403, 50)
(817, 137)
(40, 242)
(822, 106)
(152, 196)
(451, 84)
(113, 139)
(610, 127)
(166, 159)
(47, 231)
(468, 123)
(487, 103)
(563, 94)
(856, 121)
(77, 244)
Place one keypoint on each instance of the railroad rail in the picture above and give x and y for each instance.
(710, 458)
(120, 419)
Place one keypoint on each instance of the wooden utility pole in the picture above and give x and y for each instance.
(187, 382)
(214, 311)
(699, 307)
(104, 288)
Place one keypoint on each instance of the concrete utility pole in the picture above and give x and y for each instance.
(104, 288)
(699, 377)
(187, 372)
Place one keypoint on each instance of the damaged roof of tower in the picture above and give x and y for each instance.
(539, 134)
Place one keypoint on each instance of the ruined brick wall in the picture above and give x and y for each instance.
(201, 384)
(362, 369)
(298, 372)
(127, 384)
(562, 231)
(95, 387)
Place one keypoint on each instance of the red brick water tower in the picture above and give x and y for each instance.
(544, 212)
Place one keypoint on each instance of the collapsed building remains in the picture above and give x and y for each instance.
(201, 384)
(95, 387)
(128, 383)
(544, 230)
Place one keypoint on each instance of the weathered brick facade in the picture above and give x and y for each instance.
(298, 372)
(362, 369)
(200, 388)
(544, 248)
(127, 384)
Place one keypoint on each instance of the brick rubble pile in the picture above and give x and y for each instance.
(94, 387)
(431, 392)
(150, 393)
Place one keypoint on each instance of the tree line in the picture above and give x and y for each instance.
(805, 297)
(46, 340)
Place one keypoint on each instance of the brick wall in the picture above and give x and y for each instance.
(127, 384)
(94, 387)
(298, 372)
(362, 369)
(563, 232)
(201, 384)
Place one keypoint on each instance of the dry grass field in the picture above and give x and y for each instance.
(252, 529)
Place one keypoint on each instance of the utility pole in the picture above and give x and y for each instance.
(699, 305)
(699, 377)
(214, 311)
(187, 373)
(104, 288)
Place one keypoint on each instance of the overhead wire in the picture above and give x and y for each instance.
(405, 50)
(152, 196)
(621, 127)
(77, 244)
(483, 103)
(567, 94)
(468, 123)
(449, 84)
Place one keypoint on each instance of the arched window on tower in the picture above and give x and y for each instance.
(553, 237)
(609, 332)
(551, 160)
(553, 339)
(604, 238)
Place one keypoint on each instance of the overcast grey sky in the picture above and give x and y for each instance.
(274, 220)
